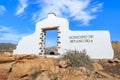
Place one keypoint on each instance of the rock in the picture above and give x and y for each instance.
(6, 59)
(104, 60)
(72, 71)
(98, 75)
(5, 69)
(32, 75)
(64, 63)
(109, 79)
(111, 60)
(32, 67)
(71, 77)
(83, 69)
(55, 70)
(47, 64)
(43, 76)
(116, 60)
(3, 74)
(105, 75)
(113, 64)
(97, 60)
(97, 66)
(25, 56)
(22, 68)
(6, 54)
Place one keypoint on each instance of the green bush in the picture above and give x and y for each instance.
(55, 78)
(77, 59)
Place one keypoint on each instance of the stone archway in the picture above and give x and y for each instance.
(43, 38)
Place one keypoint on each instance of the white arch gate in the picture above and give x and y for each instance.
(96, 43)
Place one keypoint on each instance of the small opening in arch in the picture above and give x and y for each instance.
(52, 53)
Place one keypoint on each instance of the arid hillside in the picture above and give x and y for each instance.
(7, 47)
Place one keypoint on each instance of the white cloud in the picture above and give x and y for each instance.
(3, 29)
(7, 34)
(72, 9)
(10, 37)
(2, 9)
(97, 7)
(21, 7)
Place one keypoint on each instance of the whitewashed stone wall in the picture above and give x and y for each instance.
(96, 43)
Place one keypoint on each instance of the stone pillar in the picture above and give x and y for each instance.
(58, 39)
(42, 42)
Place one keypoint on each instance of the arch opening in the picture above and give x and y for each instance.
(52, 53)
(49, 41)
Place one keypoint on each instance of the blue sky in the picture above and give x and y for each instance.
(18, 17)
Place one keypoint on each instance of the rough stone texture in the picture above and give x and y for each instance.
(103, 60)
(116, 48)
(22, 67)
(111, 60)
(83, 69)
(6, 59)
(71, 77)
(63, 63)
(6, 54)
(25, 56)
(97, 66)
(5, 69)
(43, 76)
(32, 67)
(116, 60)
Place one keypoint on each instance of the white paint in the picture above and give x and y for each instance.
(99, 47)
(98, 43)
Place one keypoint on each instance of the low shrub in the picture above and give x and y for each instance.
(77, 59)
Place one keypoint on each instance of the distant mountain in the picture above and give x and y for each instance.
(7, 47)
